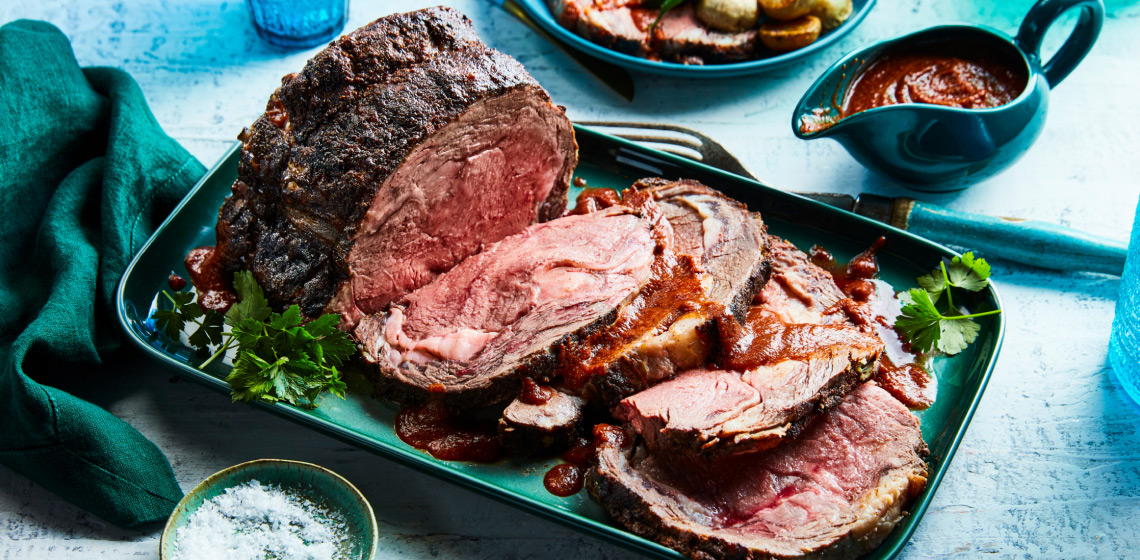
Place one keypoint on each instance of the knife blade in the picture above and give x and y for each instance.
(611, 75)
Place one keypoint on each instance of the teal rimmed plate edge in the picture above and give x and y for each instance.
(350, 501)
(541, 14)
(983, 354)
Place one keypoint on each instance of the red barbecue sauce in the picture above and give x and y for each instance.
(447, 435)
(214, 290)
(566, 479)
(534, 394)
(900, 372)
(594, 199)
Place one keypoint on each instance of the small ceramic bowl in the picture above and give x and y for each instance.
(939, 148)
(318, 483)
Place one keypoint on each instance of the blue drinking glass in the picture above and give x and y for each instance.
(298, 24)
(1124, 344)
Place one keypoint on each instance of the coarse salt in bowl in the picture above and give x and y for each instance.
(271, 508)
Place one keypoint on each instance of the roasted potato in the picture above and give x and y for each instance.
(832, 13)
(783, 36)
(786, 9)
(728, 15)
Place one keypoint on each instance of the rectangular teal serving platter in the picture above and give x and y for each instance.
(605, 161)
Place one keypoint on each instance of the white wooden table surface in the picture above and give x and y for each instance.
(1050, 467)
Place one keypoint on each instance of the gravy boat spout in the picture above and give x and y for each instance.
(938, 147)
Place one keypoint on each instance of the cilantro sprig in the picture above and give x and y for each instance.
(280, 358)
(950, 330)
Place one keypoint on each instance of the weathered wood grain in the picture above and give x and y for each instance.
(1049, 469)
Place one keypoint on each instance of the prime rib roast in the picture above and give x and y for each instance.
(415, 181)
(398, 151)
(836, 491)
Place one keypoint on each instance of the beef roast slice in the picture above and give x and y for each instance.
(774, 378)
(621, 26)
(727, 240)
(399, 150)
(798, 291)
(720, 263)
(681, 37)
(527, 429)
(468, 337)
(835, 492)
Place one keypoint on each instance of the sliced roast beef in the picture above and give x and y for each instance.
(681, 37)
(798, 291)
(468, 337)
(728, 242)
(835, 492)
(669, 327)
(774, 377)
(621, 26)
(540, 419)
(399, 150)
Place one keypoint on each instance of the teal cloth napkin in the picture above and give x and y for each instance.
(86, 175)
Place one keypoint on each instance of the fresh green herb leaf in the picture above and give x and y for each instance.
(666, 7)
(950, 331)
(251, 302)
(969, 273)
(280, 358)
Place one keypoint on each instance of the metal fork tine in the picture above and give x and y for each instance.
(712, 153)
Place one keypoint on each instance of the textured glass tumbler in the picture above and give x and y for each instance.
(298, 24)
(1124, 344)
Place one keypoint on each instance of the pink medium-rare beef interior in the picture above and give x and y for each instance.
(483, 177)
(556, 271)
(840, 485)
(472, 334)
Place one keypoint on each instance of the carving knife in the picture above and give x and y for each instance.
(1031, 242)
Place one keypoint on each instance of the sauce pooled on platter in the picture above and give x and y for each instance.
(948, 76)
(448, 436)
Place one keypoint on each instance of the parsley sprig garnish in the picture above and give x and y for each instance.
(280, 358)
(950, 330)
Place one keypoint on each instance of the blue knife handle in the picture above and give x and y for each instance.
(1025, 241)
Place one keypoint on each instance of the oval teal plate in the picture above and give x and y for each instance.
(604, 161)
(317, 483)
(541, 15)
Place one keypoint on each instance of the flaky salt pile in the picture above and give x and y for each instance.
(254, 521)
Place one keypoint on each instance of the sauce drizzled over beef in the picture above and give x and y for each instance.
(214, 290)
(448, 436)
(901, 371)
(533, 393)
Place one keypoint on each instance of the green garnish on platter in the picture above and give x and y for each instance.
(924, 326)
(279, 357)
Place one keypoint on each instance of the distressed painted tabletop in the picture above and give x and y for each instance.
(1050, 466)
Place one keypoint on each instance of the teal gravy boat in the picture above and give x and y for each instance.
(940, 148)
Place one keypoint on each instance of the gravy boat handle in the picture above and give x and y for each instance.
(1037, 22)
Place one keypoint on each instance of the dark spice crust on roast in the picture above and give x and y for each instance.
(334, 132)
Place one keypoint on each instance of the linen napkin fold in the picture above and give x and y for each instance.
(86, 175)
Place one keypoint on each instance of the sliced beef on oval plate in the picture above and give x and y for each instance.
(621, 25)
(470, 336)
(773, 379)
(399, 150)
(681, 37)
(835, 492)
